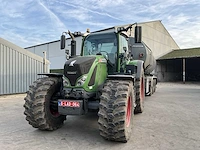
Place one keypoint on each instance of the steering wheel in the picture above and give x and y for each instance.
(104, 53)
(106, 56)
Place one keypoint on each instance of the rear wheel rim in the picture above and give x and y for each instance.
(128, 113)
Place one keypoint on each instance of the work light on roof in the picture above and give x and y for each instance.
(119, 29)
(77, 33)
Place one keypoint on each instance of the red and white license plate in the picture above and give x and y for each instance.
(66, 103)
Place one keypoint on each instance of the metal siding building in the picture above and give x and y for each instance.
(18, 68)
(54, 54)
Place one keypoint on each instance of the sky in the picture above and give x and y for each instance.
(31, 22)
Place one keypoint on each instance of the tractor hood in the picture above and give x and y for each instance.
(76, 67)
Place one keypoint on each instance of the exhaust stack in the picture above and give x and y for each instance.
(138, 34)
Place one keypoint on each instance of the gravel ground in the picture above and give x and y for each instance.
(170, 121)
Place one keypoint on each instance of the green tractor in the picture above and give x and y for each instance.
(105, 78)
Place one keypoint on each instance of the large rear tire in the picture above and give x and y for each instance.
(140, 94)
(116, 110)
(41, 108)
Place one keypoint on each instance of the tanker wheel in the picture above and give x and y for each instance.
(151, 89)
(154, 85)
(140, 94)
(41, 107)
(116, 110)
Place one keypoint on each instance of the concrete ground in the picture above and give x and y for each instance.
(170, 121)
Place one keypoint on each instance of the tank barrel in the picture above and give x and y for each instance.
(141, 51)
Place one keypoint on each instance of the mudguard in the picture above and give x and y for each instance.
(51, 74)
(140, 68)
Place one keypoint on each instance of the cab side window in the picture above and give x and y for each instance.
(123, 43)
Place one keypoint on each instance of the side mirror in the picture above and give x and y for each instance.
(62, 42)
(138, 34)
(125, 49)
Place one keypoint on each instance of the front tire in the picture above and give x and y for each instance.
(41, 108)
(116, 110)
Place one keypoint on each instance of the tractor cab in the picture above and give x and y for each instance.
(102, 44)
(113, 46)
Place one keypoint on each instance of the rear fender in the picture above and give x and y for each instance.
(122, 77)
(139, 67)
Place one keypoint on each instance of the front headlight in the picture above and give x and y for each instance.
(66, 82)
(81, 81)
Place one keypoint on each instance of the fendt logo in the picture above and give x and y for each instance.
(72, 63)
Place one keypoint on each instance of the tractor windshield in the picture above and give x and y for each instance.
(100, 43)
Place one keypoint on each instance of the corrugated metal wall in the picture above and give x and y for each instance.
(54, 54)
(18, 68)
